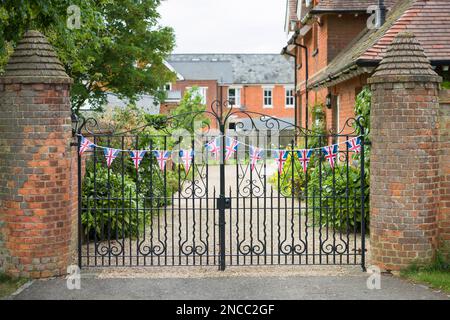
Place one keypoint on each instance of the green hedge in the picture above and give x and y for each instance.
(318, 182)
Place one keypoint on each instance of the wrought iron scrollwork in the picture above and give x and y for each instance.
(109, 248)
(269, 218)
(146, 249)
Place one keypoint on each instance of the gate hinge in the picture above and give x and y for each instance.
(223, 203)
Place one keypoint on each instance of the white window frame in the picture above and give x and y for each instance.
(267, 89)
(237, 97)
(286, 90)
(168, 84)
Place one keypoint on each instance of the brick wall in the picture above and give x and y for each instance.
(251, 97)
(341, 30)
(334, 34)
(405, 176)
(167, 107)
(444, 171)
(211, 85)
(38, 191)
(347, 92)
(36, 205)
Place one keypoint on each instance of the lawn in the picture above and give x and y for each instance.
(436, 275)
(436, 279)
(9, 285)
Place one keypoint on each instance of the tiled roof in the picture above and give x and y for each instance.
(404, 56)
(348, 5)
(246, 68)
(429, 20)
(204, 70)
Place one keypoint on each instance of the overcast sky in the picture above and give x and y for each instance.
(226, 26)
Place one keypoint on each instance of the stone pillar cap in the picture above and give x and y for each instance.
(34, 61)
(405, 61)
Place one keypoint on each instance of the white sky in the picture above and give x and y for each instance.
(226, 26)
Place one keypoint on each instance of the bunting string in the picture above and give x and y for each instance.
(255, 153)
(356, 147)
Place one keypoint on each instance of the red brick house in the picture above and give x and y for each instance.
(336, 52)
(254, 83)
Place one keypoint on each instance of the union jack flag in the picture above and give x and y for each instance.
(214, 148)
(231, 148)
(354, 145)
(304, 156)
(331, 153)
(85, 144)
(162, 156)
(255, 156)
(137, 156)
(280, 159)
(187, 156)
(110, 155)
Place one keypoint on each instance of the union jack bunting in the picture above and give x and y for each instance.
(187, 156)
(354, 145)
(255, 156)
(331, 153)
(162, 156)
(85, 144)
(110, 155)
(137, 156)
(214, 148)
(231, 148)
(280, 159)
(304, 156)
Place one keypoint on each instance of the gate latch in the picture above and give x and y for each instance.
(223, 203)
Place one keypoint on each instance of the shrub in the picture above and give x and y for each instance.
(326, 194)
(331, 191)
(340, 198)
(110, 204)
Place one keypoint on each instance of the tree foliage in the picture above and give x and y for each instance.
(120, 45)
(189, 114)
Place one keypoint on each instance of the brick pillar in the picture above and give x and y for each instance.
(404, 178)
(36, 204)
(444, 167)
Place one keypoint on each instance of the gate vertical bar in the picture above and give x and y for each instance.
(222, 201)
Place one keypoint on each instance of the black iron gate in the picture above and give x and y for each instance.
(210, 202)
